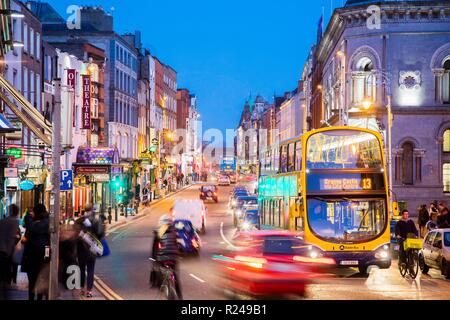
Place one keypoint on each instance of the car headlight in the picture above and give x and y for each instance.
(246, 226)
(233, 202)
(238, 213)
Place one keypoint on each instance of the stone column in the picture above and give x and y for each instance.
(438, 75)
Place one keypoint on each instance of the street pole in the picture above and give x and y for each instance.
(54, 217)
(389, 111)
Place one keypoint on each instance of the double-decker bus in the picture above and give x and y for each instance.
(330, 184)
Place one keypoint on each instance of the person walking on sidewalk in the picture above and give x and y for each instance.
(37, 238)
(9, 229)
(424, 217)
(86, 259)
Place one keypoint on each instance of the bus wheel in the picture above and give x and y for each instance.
(363, 270)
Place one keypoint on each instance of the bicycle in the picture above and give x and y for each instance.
(411, 265)
(168, 281)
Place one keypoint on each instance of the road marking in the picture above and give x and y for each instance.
(223, 236)
(197, 278)
(106, 290)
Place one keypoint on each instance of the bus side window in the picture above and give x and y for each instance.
(284, 159)
(298, 156)
(291, 158)
(276, 160)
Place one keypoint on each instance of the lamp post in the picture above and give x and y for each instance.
(366, 105)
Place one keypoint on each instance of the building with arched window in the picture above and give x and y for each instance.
(375, 50)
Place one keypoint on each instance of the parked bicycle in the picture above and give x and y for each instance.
(411, 264)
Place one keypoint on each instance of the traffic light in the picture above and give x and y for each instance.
(117, 183)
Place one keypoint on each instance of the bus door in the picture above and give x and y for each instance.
(296, 217)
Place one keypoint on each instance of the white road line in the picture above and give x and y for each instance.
(223, 236)
(197, 278)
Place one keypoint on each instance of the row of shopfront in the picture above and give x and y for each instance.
(100, 177)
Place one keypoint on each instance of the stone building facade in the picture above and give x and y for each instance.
(373, 51)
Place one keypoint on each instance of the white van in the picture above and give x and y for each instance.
(192, 210)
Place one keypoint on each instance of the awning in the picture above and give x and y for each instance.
(6, 126)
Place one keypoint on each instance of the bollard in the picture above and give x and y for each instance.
(109, 215)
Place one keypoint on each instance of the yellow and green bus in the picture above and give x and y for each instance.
(331, 185)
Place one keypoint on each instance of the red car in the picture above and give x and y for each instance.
(270, 263)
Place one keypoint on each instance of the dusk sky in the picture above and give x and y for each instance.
(223, 50)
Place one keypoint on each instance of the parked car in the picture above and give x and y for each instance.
(224, 181)
(192, 210)
(243, 202)
(436, 252)
(209, 192)
(270, 264)
(188, 239)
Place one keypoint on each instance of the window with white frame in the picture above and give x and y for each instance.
(32, 42)
(446, 177)
(38, 46)
(32, 88)
(364, 81)
(446, 144)
(25, 37)
(38, 91)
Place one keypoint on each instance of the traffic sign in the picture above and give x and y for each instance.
(66, 180)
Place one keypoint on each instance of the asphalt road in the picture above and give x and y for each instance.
(127, 269)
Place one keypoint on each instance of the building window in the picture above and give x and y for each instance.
(25, 37)
(408, 164)
(446, 82)
(38, 91)
(38, 46)
(32, 42)
(446, 177)
(364, 82)
(446, 146)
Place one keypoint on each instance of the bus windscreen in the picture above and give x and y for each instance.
(343, 149)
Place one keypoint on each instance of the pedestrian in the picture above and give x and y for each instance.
(86, 259)
(433, 212)
(444, 219)
(424, 217)
(9, 228)
(441, 207)
(35, 260)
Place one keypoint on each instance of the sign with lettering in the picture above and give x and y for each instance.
(92, 170)
(86, 109)
(346, 184)
(71, 77)
(11, 173)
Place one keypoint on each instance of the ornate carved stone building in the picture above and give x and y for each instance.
(373, 50)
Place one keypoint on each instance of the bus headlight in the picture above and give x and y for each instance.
(382, 254)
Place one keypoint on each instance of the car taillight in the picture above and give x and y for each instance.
(252, 261)
(159, 246)
(314, 260)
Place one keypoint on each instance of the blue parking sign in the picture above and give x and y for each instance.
(66, 180)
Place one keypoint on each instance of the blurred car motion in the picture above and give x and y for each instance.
(270, 263)
(188, 240)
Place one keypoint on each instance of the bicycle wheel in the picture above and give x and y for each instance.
(402, 267)
(413, 263)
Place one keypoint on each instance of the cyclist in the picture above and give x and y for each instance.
(165, 250)
(402, 229)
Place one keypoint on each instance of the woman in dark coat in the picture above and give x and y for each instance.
(37, 238)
